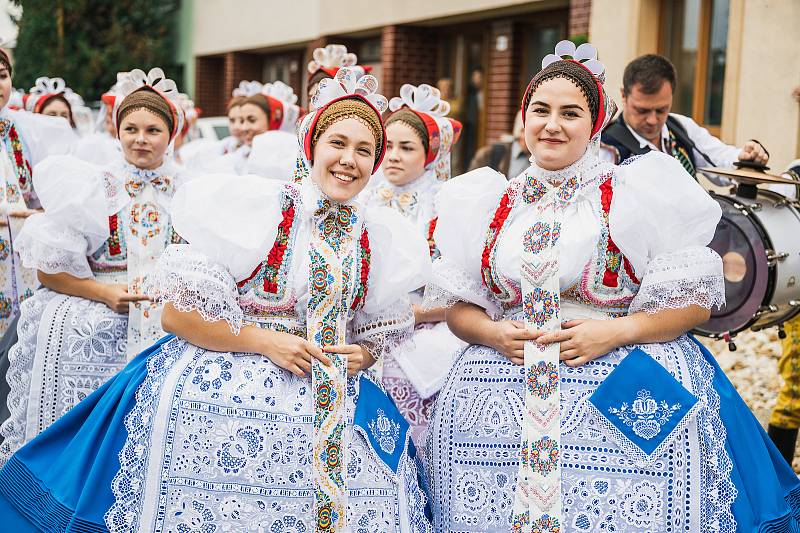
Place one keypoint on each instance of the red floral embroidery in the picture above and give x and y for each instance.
(114, 246)
(272, 265)
(366, 260)
(23, 166)
(431, 242)
(500, 216)
(614, 258)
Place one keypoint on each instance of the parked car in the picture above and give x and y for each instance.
(212, 128)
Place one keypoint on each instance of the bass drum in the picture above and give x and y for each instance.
(759, 242)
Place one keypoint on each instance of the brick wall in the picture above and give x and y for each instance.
(502, 79)
(408, 56)
(209, 85)
(241, 66)
(579, 12)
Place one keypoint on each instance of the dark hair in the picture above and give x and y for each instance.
(650, 71)
(260, 101)
(5, 61)
(57, 98)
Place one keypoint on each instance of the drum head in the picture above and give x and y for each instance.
(741, 242)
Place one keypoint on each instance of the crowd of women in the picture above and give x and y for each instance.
(310, 326)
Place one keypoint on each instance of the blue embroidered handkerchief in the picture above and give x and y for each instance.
(382, 423)
(642, 406)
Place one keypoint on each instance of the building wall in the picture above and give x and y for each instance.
(762, 68)
(253, 24)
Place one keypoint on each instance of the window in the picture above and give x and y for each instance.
(694, 35)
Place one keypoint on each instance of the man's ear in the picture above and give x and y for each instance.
(622, 93)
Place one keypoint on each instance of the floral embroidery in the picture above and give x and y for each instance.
(245, 444)
(115, 240)
(543, 379)
(567, 190)
(543, 455)
(366, 260)
(385, 431)
(540, 306)
(537, 238)
(272, 272)
(505, 293)
(431, 242)
(21, 164)
(5, 249)
(533, 190)
(6, 307)
(212, 373)
(145, 221)
(546, 524)
(646, 416)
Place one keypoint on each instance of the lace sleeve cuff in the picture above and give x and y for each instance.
(53, 249)
(191, 282)
(381, 332)
(451, 284)
(674, 280)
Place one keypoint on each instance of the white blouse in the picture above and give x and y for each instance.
(231, 224)
(660, 218)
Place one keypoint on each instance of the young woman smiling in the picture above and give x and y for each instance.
(258, 415)
(582, 404)
(419, 138)
(93, 248)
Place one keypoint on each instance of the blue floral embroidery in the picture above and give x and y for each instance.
(385, 431)
(645, 416)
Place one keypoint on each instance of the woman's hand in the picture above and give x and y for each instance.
(117, 297)
(584, 340)
(509, 336)
(292, 353)
(358, 357)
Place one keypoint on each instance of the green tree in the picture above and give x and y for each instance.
(87, 42)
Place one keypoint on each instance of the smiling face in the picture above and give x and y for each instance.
(235, 122)
(5, 85)
(343, 159)
(558, 124)
(405, 154)
(254, 122)
(56, 107)
(144, 138)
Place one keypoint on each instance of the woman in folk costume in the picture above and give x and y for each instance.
(26, 139)
(582, 405)
(419, 138)
(297, 289)
(271, 108)
(52, 97)
(102, 231)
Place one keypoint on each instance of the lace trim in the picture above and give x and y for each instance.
(20, 372)
(53, 260)
(674, 280)
(634, 452)
(128, 483)
(384, 331)
(451, 285)
(191, 282)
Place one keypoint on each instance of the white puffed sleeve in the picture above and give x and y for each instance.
(662, 221)
(75, 221)
(44, 135)
(465, 205)
(400, 264)
(229, 222)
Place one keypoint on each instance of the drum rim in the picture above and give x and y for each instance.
(769, 289)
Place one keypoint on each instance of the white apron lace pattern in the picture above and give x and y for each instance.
(330, 280)
(537, 505)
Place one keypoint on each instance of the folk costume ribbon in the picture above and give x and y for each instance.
(537, 505)
(332, 255)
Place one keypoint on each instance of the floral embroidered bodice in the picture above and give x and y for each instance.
(274, 294)
(597, 274)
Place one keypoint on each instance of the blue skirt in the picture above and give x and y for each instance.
(61, 480)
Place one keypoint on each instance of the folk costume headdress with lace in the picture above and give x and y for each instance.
(152, 91)
(326, 62)
(45, 89)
